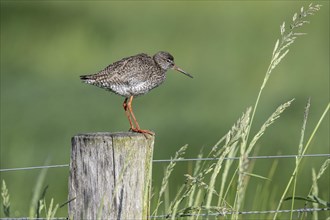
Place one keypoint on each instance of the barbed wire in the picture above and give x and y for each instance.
(224, 213)
(177, 160)
(250, 158)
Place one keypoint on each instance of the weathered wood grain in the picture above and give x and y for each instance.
(110, 176)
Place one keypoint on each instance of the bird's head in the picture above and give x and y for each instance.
(166, 61)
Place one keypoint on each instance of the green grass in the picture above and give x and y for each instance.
(5, 199)
(39, 208)
(198, 195)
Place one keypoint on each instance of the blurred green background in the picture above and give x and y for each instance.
(226, 46)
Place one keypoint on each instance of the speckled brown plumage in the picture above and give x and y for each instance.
(133, 76)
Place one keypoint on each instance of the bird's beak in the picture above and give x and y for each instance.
(180, 70)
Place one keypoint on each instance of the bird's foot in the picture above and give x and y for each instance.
(144, 132)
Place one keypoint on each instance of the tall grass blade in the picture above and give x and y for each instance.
(269, 121)
(311, 194)
(243, 164)
(37, 192)
(51, 211)
(302, 134)
(287, 38)
(5, 199)
(304, 151)
(316, 128)
(231, 142)
(41, 203)
(224, 176)
(191, 198)
(300, 150)
(315, 192)
(169, 169)
(323, 168)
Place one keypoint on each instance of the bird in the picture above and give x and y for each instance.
(134, 76)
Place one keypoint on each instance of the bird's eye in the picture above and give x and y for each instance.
(169, 60)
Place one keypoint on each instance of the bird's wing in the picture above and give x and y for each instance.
(130, 69)
(124, 65)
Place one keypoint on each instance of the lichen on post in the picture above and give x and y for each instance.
(110, 176)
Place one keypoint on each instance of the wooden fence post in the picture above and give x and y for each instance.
(110, 176)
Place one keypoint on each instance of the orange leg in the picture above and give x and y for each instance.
(129, 105)
(137, 127)
(127, 113)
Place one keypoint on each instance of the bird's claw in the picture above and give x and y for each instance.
(144, 132)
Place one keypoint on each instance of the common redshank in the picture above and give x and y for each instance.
(134, 76)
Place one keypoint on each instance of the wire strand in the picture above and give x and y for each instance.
(302, 210)
(224, 213)
(33, 168)
(251, 158)
(177, 160)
